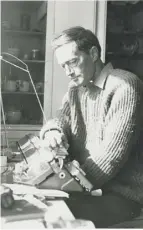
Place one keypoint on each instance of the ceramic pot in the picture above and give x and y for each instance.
(13, 117)
(14, 51)
(24, 86)
(10, 85)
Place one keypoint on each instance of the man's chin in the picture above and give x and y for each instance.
(74, 84)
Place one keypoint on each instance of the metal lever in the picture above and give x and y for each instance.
(26, 70)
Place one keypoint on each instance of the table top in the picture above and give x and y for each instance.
(54, 208)
(50, 212)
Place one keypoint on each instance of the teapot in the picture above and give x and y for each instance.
(23, 86)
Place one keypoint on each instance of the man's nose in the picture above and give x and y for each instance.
(69, 71)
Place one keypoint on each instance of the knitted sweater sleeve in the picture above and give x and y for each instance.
(61, 122)
(121, 124)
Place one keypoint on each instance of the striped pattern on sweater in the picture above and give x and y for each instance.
(103, 128)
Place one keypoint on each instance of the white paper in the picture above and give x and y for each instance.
(26, 189)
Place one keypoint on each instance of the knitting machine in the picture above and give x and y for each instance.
(60, 173)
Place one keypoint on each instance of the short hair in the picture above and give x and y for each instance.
(84, 38)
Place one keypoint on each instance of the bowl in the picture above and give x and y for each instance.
(13, 117)
(14, 51)
(10, 86)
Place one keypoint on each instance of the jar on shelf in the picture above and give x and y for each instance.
(35, 54)
(25, 22)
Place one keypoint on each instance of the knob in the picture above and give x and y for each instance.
(76, 164)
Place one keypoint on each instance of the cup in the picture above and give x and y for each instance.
(23, 86)
(26, 56)
(10, 85)
(3, 164)
(39, 87)
(13, 117)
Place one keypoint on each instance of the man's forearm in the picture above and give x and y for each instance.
(60, 123)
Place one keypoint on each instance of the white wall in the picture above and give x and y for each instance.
(67, 14)
(73, 13)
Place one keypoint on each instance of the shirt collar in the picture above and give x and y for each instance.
(101, 79)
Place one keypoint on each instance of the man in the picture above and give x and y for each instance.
(101, 120)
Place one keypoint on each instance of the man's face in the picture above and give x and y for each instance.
(78, 65)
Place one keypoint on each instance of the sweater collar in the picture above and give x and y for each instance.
(100, 80)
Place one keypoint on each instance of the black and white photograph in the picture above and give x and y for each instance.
(71, 114)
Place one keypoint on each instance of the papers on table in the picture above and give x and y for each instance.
(27, 189)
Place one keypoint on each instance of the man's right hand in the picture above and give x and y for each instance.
(54, 140)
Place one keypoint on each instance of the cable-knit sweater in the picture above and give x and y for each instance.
(103, 126)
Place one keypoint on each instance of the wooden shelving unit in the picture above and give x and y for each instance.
(24, 32)
(124, 40)
(125, 33)
(26, 60)
(111, 55)
(18, 92)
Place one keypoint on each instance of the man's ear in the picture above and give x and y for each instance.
(94, 53)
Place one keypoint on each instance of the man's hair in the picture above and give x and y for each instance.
(85, 39)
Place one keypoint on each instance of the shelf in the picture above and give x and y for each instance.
(119, 55)
(26, 61)
(33, 61)
(13, 60)
(23, 93)
(125, 33)
(24, 32)
(28, 127)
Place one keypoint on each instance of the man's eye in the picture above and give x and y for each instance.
(63, 66)
(73, 61)
(71, 64)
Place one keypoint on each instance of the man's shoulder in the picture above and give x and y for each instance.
(122, 75)
(118, 77)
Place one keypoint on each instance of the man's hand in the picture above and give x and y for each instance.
(54, 140)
